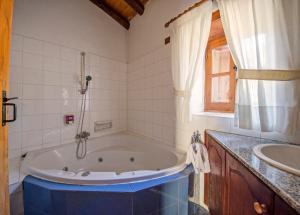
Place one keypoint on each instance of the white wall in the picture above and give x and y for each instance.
(147, 32)
(73, 23)
(47, 39)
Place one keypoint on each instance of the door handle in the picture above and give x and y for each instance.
(4, 108)
(8, 99)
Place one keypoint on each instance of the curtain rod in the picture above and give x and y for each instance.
(184, 12)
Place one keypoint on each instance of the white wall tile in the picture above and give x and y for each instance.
(70, 79)
(16, 58)
(14, 168)
(52, 92)
(69, 67)
(33, 61)
(70, 55)
(15, 140)
(51, 106)
(14, 153)
(15, 90)
(16, 42)
(15, 75)
(52, 78)
(31, 122)
(17, 125)
(51, 64)
(52, 121)
(32, 76)
(51, 136)
(32, 107)
(32, 91)
(68, 133)
(70, 106)
(51, 50)
(70, 92)
(32, 46)
(32, 139)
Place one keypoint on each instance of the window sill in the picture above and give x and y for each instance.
(215, 114)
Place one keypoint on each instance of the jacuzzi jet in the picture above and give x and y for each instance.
(65, 169)
(100, 160)
(132, 159)
(86, 173)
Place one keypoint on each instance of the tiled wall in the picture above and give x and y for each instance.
(45, 77)
(151, 107)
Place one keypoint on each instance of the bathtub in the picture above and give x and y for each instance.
(111, 159)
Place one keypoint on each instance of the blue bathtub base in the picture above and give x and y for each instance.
(164, 196)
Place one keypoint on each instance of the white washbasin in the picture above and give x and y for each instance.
(282, 156)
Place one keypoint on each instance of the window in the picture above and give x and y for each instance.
(219, 71)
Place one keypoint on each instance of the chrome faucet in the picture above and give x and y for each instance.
(83, 135)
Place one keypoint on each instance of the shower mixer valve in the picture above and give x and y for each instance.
(83, 135)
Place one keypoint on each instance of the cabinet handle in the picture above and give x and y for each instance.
(260, 208)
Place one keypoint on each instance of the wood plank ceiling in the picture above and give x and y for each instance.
(122, 10)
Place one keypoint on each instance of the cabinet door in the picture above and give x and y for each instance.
(282, 208)
(246, 194)
(215, 180)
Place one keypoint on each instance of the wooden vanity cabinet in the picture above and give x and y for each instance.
(231, 189)
(215, 193)
(245, 193)
(282, 208)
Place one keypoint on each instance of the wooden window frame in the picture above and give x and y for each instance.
(209, 106)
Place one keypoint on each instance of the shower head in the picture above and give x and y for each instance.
(88, 78)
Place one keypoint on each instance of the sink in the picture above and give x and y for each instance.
(283, 156)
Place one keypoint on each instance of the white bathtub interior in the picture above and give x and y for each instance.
(116, 158)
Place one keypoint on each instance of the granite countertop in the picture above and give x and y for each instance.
(284, 184)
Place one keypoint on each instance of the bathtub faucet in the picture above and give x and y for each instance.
(83, 135)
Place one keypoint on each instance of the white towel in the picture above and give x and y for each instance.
(198, 156)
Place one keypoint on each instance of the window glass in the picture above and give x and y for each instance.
(220, 59)
(220, 89)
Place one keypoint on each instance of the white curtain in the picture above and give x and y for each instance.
(265, 35)
(189, 35)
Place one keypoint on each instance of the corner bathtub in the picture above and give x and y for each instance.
(111, 159)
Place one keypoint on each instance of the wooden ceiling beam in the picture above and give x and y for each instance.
(111, 12)
(136, 5)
